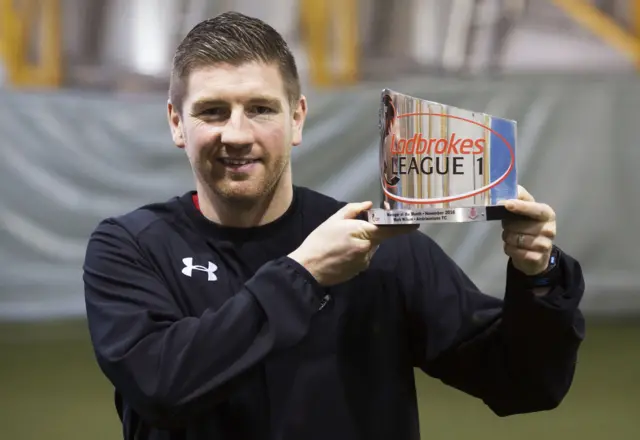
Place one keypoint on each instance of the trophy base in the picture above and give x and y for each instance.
(439, 215)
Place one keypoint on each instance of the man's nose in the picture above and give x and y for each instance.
(237, 132)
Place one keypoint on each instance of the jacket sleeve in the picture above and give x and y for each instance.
(517, 354)
(169, 366)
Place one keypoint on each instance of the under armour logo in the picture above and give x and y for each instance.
(189, 267)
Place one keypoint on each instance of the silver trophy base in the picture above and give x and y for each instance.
(438, 215)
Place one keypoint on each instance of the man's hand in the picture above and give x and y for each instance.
(529, 242)
(342, 246)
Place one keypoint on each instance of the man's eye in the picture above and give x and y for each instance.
(214, 112)
(261, 110)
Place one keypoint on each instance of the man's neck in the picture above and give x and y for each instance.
(244, 215)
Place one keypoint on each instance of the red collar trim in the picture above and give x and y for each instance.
(196, 202)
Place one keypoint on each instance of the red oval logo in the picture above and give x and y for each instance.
(451, 145)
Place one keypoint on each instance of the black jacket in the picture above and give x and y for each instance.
(210, 332)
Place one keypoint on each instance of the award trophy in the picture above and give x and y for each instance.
(442, 164)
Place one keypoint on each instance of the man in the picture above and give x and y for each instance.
(254, 309)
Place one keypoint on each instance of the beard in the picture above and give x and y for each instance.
(244, 189)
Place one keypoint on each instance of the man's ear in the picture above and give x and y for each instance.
(175, 124)
(299, 116)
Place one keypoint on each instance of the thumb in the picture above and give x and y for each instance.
(351, 210)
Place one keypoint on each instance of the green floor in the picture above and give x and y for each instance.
(51, 389)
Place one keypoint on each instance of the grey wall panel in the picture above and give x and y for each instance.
(68, 160)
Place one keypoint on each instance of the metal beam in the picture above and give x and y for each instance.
(337, 21)
(18, 25)
(604, 27)
(636, 28)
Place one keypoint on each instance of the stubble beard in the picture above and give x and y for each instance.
(242, 193)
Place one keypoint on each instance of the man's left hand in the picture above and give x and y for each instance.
(529, 241)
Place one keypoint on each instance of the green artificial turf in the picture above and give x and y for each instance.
(50, 388)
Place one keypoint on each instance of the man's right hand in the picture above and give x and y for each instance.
(342, 246)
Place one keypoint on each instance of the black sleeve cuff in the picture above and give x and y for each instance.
(302, 271)
(289, 296)
(565, 292)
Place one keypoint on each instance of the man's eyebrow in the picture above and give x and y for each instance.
(268, 100)
(212, 102)
(207, 102)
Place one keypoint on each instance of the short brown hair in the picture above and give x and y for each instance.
(232, 38)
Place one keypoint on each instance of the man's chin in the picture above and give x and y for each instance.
(240, 191)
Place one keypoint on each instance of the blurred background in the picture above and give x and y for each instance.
(83, 135)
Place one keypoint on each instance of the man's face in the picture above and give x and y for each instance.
(237, 129)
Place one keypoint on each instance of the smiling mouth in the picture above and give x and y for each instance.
(238, 165)
(236, 162)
